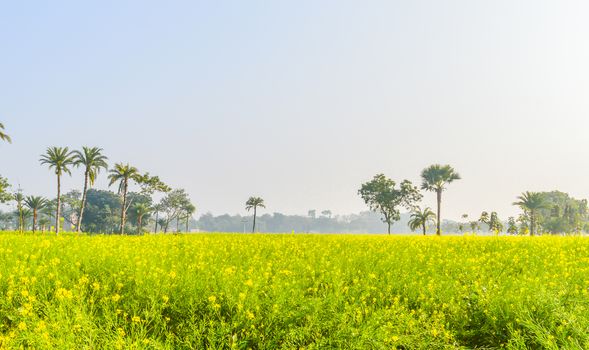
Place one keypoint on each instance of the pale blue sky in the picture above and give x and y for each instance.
(301, 101)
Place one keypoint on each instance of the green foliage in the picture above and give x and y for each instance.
(5, 195)
(381, 195)
(492, 221)
(3, 135)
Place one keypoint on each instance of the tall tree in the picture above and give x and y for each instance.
(3, 135)
(19, 198)
(93, 161)
(59, 159)
(435, 178)
(531, 203)
(189, 210)
(35, 203)
(382, 195)
(123, 173)
(172, 206)
(157, 208)
(254, 203)
(420, 218)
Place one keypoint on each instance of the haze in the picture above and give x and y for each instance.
(300, 102)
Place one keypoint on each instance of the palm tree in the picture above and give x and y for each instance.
(3, 135)
(435, 178)
(92, 160)
(59, 159)
(189, 209)
(531, 202)
(19, 198)
(420, 218)
(123, 174)
(254, 203)
(141, 209)
(35, 203)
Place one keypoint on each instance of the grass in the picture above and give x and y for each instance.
(233, 291)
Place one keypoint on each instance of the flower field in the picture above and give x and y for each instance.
(238, 291)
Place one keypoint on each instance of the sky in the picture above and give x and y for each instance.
(300, 102)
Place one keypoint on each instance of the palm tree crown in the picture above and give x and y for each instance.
(92, 160)
(435, 177)
(531, 202)
(59, 159)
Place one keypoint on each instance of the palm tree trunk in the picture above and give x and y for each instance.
(34, 219)
(254, 227)
(83, 204)
(58, 210)
(156, 215)
(424, 228)
(139, 228)
(123, 211)
(439, 200)
(532, 223)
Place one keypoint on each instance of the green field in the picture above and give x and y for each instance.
(238, 291)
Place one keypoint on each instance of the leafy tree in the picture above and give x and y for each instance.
(92, 160)
(3, 135)
(434, 179)
(70, 206)
(312, 213)
(123, 173)
(254, 203)
(531, 203)
(511, 226)
(5, 195)
(35, 203)
(59, 159)
(326, 213)
(101, 213)
(474, 226)
(152, 184)
(381, 195)
(173, 205)
(420, 218)
(492, 221)
(157, 209)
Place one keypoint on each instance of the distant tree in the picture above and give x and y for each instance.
(92, 160)
(511, 226)
(254, 203)
(151, 184)
(3, 135)
(461, 225)
(141, 210)
(173, 205)
(326, 213)
(434, 179)
(19, 199)
(157, 208)
(492, 221)
(102, 213)
(531, 203)
(381, 195)
(420, 218)
(474, 226)
(26, 215)
(70, 207)
(312, 213)
(5, 195)
(60, 159)
(35, 203)
(188, 210)
(123, 174)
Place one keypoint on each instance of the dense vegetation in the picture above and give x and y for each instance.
(293, 291)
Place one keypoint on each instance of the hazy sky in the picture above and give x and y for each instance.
(301, 101)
